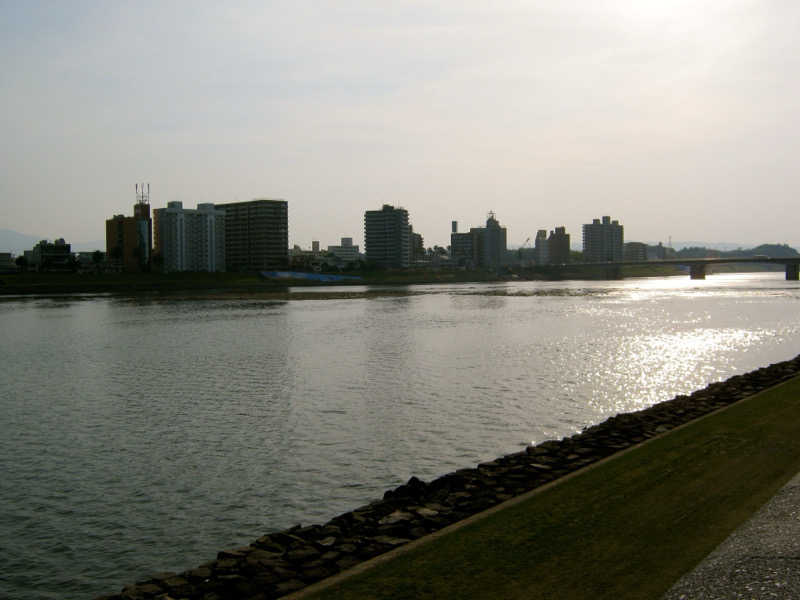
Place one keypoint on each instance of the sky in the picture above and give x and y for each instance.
(678, 118)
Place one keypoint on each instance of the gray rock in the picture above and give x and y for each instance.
(396, 517)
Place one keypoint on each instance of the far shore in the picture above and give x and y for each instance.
(231, 285)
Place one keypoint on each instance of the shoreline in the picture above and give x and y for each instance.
(283, 562)
(43, 284)
(228, 286)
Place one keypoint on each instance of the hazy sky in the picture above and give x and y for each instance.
(677, 118)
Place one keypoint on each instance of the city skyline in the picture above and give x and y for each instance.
(677, 119)
(16, 242)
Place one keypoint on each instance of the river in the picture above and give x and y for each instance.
(143, 434)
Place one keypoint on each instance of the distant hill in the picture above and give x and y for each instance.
(724, 246)
(16, 242)
(88, 246)
(771, 250)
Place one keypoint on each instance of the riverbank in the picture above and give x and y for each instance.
(626, 528)
(251, 283)
(283, 562)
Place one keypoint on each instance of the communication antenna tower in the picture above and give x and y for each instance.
(142, 193)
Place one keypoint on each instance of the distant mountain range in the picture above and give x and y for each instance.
(678, 246)
(16, 242)
(771, 250)
(724, 246)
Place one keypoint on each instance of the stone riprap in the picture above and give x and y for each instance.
(280, 563)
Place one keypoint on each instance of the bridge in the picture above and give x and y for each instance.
(697, 266)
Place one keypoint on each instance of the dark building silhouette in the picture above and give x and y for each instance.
(416, 246)
(635, 251)
(481, 246)
(46, 256)
(387, 237)
(603, 241)
(463, 247)
(659, 252)
(492, 250)
(558, 246)
(129, 240)
(256, 234)
(541, 249)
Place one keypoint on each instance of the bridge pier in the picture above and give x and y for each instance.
(792, 272)
(697, 271)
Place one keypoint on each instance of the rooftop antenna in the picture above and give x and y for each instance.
(142, 193)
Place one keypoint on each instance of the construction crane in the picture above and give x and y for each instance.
(519, 251)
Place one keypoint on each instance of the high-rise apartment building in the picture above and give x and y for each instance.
(387, 236)
(541, 250)
(603, 241)
(492, 248)
(190, 239)
(463, 247)
(558, 246)
(256, 234)
(481, 246)
(416, 246)
(129, 240)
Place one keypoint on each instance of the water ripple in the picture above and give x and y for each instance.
(144, 435)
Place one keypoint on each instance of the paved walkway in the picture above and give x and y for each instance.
(759, 560)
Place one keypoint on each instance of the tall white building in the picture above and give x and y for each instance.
(190, 239)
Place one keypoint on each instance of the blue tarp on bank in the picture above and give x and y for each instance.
(321, 277)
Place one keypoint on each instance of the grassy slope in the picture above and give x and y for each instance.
(627, 528)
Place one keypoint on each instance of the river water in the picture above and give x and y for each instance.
(143, 434)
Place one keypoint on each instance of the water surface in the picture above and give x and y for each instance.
(145, 434)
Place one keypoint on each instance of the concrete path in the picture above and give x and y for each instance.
(759, 560)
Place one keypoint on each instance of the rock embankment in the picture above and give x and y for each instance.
(279, 563)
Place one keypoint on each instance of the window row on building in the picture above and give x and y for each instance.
(254, 236)
(190, 239)
(603, 241)
(237, 236)
(480, 246)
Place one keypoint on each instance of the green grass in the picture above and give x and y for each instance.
(627, 528)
